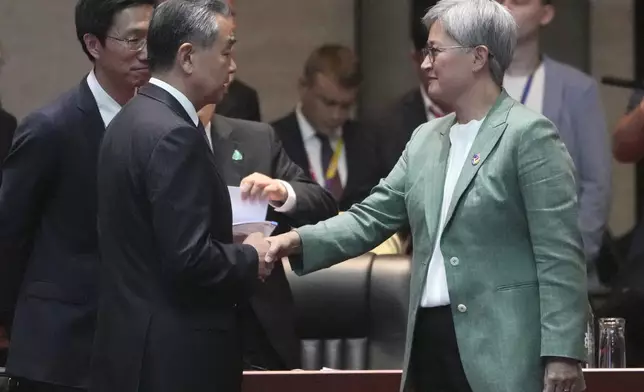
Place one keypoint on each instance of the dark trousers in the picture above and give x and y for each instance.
(436, 362)
(22, 385)
(259, 353)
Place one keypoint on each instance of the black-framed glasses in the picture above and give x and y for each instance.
(133, 44)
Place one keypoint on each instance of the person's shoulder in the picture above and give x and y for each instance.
(570, 75)
(246, 128)
(285, 124)
(8, 121)
(242, 88)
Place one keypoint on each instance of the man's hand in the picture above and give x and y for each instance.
(258, 185)
(283, 245)
(258, 241)
(563, 375)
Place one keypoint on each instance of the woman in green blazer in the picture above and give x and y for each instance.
(498, 286)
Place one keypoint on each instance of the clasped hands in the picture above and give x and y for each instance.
(272, 249)
(260, 186)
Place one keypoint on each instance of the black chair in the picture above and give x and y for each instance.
(353, 316)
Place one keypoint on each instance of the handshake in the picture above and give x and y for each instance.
(272, 249)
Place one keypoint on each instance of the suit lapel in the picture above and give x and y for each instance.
(96, 127)
(294, 144)
(225, 148)
(491, 130)
(553, 91)
(434, 186)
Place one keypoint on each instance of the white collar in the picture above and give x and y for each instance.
(107, 106)
(307, 130)
(179, 96)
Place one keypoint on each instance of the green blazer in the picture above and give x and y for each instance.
(512, 246)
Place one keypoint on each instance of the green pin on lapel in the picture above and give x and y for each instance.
(237, 156)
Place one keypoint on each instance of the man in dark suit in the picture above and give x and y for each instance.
(241, 101)
(48, 202)
(172, 277)
(318, 135)
(393, 127)
(250, 154)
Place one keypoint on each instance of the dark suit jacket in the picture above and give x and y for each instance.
(7, 128)
(48, 203)
(263, 153)
(393, 129)
(171, 277)
(241, 101)
(362, 162)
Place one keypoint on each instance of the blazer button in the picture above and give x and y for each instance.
(454, 261)
(462, 308)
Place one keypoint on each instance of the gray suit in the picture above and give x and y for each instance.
(571, 101)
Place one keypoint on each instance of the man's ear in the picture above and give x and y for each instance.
(185, 57)
(93, 45)
(548, 15)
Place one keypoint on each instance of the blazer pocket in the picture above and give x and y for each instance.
(515, 286)
(51, 291)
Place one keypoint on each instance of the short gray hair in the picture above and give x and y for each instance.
(176, 22)
(478, 22)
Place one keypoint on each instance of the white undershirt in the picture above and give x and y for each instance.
(515, 85)
(461, 137)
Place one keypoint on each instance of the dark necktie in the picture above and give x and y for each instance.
(333, 185)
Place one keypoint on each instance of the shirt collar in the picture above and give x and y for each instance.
(307, 130)
(107, 106)
(179, 96)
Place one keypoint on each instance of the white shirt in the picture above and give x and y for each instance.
(179, 96)
(291, 200)
(427, 102)
(516, 85)
(313, 148)
(107, 106)
(461, 137)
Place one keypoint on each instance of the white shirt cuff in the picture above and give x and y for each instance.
(291, 200)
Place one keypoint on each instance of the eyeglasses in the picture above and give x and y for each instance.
(133, 44)
(433, 51)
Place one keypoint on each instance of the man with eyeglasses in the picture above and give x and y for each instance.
(48, 235)
(570, 99)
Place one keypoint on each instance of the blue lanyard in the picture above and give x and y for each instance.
(526, 89)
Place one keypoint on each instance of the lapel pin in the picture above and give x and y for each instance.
(237, 156)
(476, 159)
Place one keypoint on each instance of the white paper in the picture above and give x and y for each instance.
(245, 211)
(247, 228)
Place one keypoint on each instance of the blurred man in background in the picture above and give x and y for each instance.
(319, 135)
(570, 99)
